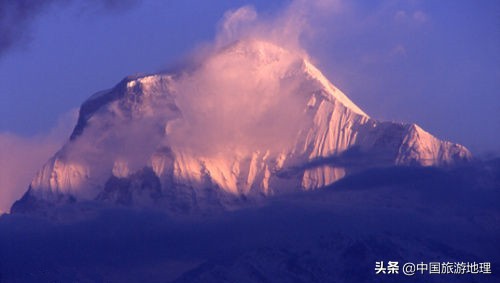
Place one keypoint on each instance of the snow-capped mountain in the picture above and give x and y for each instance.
(250, 120)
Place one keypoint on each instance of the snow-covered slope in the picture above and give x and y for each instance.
(251, 120)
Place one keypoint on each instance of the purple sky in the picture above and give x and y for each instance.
(434, 63)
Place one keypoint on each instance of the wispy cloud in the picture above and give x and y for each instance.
(21, 157)
(420, 17)
(414, 17)
(229, 106)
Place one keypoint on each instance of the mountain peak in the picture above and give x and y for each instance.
(332, 90)
(253, 119)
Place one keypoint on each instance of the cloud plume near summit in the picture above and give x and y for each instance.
(238, 99)
(288, 28)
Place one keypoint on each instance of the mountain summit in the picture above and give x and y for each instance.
(251, 120)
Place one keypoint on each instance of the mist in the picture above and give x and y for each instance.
(237, 102)
(21, 157)
(335, 234)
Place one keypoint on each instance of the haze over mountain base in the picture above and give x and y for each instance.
(335, 234)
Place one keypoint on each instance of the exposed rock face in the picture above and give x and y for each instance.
(140, 144)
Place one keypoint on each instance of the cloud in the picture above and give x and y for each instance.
(236, 20)
(399, 50)
(227, 105)
(420, 16)
(288, 27)
(16, 17)
(400, 15)
(417, 17)
(21, 157)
